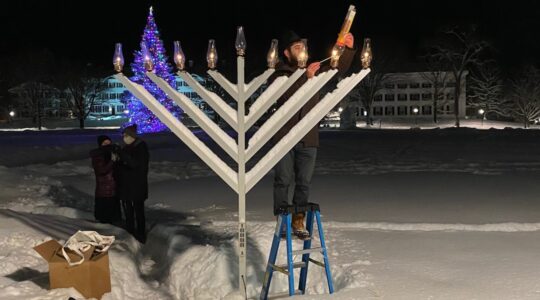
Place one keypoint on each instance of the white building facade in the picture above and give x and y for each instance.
(408, 97)
(110, 101)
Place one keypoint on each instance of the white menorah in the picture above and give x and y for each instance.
(242, 181)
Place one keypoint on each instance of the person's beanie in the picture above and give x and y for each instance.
(102, 138)
(131, 130)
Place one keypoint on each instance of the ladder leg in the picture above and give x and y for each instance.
(271, 259)
(290, 262)
(305, 257)
(325, 253)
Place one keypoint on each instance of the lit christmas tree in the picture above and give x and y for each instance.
(138, 113)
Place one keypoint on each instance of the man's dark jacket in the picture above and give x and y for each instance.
(283, 68)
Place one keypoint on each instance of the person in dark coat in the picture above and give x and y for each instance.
(106, 205)
(297, 165)
(133, 181)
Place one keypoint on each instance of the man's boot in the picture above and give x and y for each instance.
(298, 226)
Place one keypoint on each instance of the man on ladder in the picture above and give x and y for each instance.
(298, 164)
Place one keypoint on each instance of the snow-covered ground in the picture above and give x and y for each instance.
(408, 214)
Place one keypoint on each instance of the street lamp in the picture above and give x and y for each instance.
(481, 113)
(415, 111)
(12, 114)
(340, 109)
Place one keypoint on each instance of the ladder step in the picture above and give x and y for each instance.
(284, 268)
(306, 251)
(294, 237)
(318, 263)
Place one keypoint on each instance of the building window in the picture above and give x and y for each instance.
(414, 97)
(402, 97)
(389, 86)
(96, 109)
(426, 110)
(402, 110)
(378, 98)
(389, 97)
(427, 85)
(450, 96)
(427, 96)
(414, 85)
(389, 111)
(377, 111)
(402, 86)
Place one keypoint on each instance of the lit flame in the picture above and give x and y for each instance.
(272, 58)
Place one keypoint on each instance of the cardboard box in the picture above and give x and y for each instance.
(92, 278)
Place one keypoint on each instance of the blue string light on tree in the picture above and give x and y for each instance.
(152, 52)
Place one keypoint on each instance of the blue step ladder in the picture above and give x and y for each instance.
(313, 212)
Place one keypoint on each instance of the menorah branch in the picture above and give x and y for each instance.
(270, 96)
(214, 131)
(229, 87)
(223, 109)
(286, 111)
(251, 87)
(210, 158)
(296, 134)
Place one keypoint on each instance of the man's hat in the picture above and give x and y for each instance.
(288, 38)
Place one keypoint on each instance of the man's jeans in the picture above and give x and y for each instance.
(297, 168)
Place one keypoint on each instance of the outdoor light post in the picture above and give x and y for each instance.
(481, 112)
(11, 116)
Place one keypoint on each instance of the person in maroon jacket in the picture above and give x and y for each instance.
(107, 204)
(297, 166)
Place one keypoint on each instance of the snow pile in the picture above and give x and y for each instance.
(438, 214)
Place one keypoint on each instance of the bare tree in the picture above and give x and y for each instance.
(371, 86)
(486, 92)
(525, 96)
(368, 89)
(32, 72)
(82, 85)
(461, 50)
(437, 75)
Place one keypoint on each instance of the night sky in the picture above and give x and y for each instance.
(87, 30)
